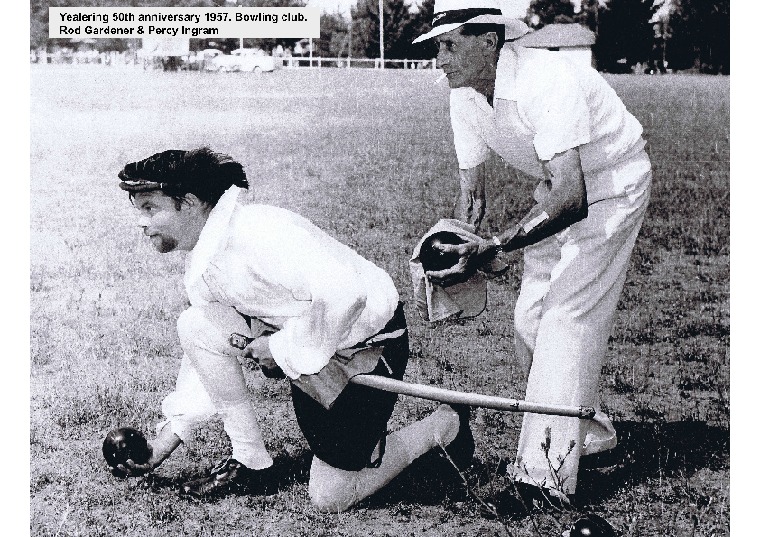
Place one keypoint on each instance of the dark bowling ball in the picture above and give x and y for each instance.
(125, 443)
(432, 258)
(591, 525)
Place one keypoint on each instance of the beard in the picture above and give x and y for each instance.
(163, 244)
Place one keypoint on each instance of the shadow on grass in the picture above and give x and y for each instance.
(645, 449)
(654, 449)
(430, 480)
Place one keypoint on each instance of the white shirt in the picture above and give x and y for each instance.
(545, 105)
(270, 263)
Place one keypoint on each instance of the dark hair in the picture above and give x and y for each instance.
(480, 29)
(177, 173)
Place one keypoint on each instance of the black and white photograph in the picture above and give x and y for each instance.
(442, 268)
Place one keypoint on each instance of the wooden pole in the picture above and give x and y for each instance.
(382, 39)
(443, 395)
(350, 32)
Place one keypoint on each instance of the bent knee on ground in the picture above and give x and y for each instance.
(330, 498)
(209, 327)
(331, 490)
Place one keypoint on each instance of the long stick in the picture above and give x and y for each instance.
(423, 391)
(442, 395)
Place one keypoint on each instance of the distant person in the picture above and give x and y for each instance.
(563, 125)
(320, 314)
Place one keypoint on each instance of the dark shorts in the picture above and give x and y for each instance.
(345, 435)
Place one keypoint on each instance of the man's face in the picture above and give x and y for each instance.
(169, 227)
(466, 59)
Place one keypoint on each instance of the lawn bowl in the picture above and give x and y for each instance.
(434, 259)
(125, 443)
(591, 525)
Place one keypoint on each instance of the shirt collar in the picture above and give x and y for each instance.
(211, 235)
(506, 73)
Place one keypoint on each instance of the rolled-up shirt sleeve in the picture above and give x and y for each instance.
(558, 111)
(471, 149)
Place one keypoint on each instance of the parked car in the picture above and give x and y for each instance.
(243, 60)
(254, 60)
(205, 57)
(223, 63)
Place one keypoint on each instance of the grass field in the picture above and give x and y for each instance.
(366, 155)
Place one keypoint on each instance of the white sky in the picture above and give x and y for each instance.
(331, 6)
(343, 6)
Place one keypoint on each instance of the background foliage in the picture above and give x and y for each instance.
(680, 34)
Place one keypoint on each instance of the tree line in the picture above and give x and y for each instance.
(674, 34)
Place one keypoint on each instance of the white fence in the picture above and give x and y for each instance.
(295, 62)
(284, 62)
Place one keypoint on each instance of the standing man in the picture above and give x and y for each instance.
(564, 125)
(319, 314)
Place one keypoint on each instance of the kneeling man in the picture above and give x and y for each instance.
(318, 314)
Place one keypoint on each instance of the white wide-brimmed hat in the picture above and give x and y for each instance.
(451, 14)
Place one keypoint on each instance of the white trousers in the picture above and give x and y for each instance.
(211, 381)
(563, 317)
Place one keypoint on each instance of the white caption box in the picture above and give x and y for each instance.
(183, 22)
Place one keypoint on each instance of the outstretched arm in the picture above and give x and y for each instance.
(471, 202)
(161, 447)
(564, 205)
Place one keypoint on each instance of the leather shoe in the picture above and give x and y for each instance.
(525, 498)
(591, 525)
(604, 461)
(230, 477)
(462, 449)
